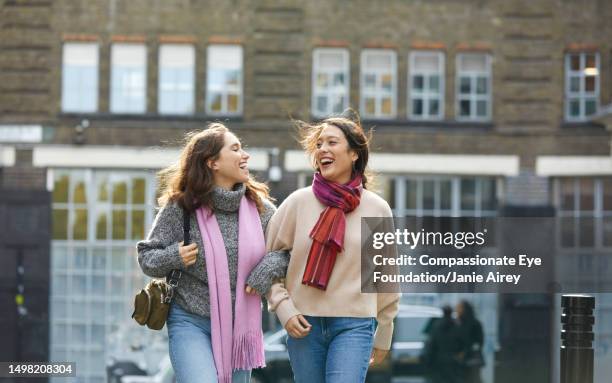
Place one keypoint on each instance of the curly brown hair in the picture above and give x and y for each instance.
(350, 124)
(190, 183)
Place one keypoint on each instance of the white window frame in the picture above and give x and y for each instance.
(582, 95)
(67, 60)
(317, 91)
(473, 97)
(376, 94)
(455, 210)
(137, 49)
(225, 90)
(426, 95)
(85, 301)
(181, 57)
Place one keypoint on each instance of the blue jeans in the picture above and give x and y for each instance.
(337, 350)
(191, 349)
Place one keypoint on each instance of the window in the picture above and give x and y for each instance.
(581, 85)
(426, 87)
(128, 78)
(444, 196)
(176, 79)
(80, 77)
(378, 83)
(224, 80)
(584, 205)
(473, 86)
(97, 218)
(330, 81)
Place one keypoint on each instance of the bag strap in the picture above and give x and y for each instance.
(175, 275)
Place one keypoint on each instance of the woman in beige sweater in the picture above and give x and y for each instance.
(336, 331)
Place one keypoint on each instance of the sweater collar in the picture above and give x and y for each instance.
(227, 200)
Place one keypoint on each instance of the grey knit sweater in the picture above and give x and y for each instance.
(158, 254)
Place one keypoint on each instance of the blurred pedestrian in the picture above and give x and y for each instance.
(441, 355)
(331, 324)
(214, 328)
(472, 338)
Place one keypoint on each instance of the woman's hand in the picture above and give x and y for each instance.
(298, 326)
(250, 290)
(378, 356)
(188, 253)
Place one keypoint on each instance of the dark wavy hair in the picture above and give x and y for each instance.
(350, 125)
(190, 182)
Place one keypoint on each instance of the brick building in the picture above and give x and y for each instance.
(478, 107)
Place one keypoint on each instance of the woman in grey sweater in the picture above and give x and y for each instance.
(212, 183)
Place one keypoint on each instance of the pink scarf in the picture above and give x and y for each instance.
(240, 348)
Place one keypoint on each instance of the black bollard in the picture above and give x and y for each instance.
(577, 338)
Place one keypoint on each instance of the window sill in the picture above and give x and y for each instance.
(199, 117)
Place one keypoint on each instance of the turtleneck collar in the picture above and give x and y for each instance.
(227, 200)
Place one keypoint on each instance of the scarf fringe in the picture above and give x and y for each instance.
(248, 351)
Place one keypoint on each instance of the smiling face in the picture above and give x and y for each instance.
(231, 166)
(334, 158)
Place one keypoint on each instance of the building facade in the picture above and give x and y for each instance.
(478, 106)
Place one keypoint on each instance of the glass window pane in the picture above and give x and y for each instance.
(138, 224)
(587, 233)
(370, 106)
(119, 223)
(338, 106)
(60, 189)
(118, 259)
(575, 62)
(434, 83)
(445, 195)
(417, 82)
(590, 107)
(138, 191)
(607, 231)
(465, 85)
(481, 85)
(575, 108)
(473, 62)
(387, 82)
(98, 259)
(574, 84)
(322, 80)
(591, 63)
(411, 194)
(369, 81)
(120, 192)
(79, 229)
(386, 108)
(607, 193)
(322, 104)
(464, 108)
(425, 62)
(338, 79)
(215, 102)
(488, 194)
(98, 285)
(481, 108)
(428, 194)
(102, 189)
(587, 189)
(232, 103)
(567, 194)
(80, 259)
(589, 83)
(60, 224)
(568, 234)
(417, 107)
(468, 194)
(101, 226)
(434, 107)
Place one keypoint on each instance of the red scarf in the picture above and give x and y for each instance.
(328, 233)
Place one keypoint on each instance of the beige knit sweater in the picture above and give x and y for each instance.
(289, 229)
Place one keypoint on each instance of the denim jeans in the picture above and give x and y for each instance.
(337, 350)
(191, 349)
